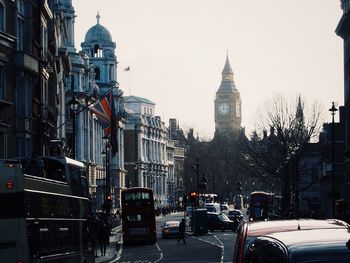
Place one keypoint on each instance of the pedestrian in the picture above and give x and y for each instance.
(102, 237)
(182, 229)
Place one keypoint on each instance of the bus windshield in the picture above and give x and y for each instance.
(259, 206)
(137, 196)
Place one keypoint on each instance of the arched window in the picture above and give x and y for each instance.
(97, 73)
(97, 51)
(2, 16)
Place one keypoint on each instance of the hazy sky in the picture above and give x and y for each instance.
(176, 51)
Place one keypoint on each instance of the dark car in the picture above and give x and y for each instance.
(235, 214)
(217, 221)
(290, 241)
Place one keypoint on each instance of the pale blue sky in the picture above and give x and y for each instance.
(177, 49)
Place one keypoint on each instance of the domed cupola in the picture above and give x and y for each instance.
(98, 33)
(97, 40)
(100, 48)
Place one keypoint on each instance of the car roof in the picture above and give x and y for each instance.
(235, 210)
(312, 243)
(312, 237)
(172, 222)
(262, 228)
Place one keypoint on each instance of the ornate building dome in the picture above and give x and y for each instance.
(98, 33)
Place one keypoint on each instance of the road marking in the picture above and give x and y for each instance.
(161, 253)
(120, 251)
(211, 243)
(222, 248)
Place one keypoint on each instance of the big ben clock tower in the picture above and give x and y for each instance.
(227, 103)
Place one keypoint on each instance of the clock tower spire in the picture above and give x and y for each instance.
(227, 104)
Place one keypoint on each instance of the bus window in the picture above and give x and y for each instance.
(133, 196)
(75, 180)
(35, 167)
(55, 170)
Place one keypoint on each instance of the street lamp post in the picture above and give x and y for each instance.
(107, 189)
(333, 110)
(74, 104)
(104, 181)
(196, 170)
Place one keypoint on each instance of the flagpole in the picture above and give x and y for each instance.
(129, 82)
(128, 69)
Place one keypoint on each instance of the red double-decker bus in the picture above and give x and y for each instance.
(259, 205)
(138, 216)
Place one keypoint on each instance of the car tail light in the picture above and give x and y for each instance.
(20, 261)
(9, 185)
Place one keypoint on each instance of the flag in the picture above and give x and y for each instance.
(105, 112)
(127, 68)
(113, 136)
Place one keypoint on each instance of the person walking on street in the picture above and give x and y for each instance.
(103, 237)
(182, 229)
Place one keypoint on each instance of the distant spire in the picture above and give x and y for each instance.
(300, 110)
(227, 73)
(98, 17)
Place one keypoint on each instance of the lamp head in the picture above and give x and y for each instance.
(74, 104)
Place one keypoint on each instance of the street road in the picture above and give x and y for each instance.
(216, 246)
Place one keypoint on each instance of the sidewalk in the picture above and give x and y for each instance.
(112, 248)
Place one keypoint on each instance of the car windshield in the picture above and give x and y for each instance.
(234, 213)
(223, 217)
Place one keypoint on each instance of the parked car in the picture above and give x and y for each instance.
(235, 214)
(304, 240)
(217, 221)
(170, 229)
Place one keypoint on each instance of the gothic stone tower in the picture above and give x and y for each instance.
(227, 103)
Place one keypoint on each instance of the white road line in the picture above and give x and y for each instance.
(222, 248)
(209, 242)
(161, 253)
(119, 255)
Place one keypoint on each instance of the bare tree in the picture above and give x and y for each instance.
(276, 155)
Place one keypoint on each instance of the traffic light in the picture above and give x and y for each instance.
(192, 197)
(109, 201)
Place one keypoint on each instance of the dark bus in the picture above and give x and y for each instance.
(45, 211)
(138, 216)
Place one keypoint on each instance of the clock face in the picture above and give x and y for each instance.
(223, 108)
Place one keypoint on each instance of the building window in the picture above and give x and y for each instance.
(3, 145)
(2, 83)
(24, 99)
(97, 73)
(97, 52)
(21, 24)
(72, 83)
(2, 16)
(44, 39)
